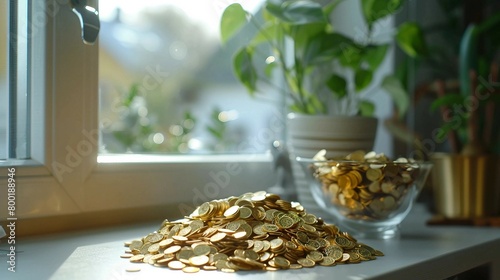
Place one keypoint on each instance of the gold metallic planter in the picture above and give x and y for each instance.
(466, 186)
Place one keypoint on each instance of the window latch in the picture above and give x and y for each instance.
(89, 20)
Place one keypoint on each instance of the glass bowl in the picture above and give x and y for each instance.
(369, 199)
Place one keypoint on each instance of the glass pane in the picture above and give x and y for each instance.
(14, 81)
(3, 78)
(167, 86)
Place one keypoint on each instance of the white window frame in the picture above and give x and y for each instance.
(65, 175)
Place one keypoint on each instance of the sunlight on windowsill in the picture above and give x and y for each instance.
(156, 158)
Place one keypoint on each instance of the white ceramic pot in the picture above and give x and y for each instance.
(339, 135)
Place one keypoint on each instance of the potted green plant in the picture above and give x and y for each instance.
(326, 74)
(468, 182)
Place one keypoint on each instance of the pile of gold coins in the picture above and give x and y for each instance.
(255, 231)
(365, 186)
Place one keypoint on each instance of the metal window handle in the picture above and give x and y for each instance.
(89, 20)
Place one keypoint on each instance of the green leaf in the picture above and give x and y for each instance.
(297, 12)
(467, 57)
(338, 85)
(362, 78)
(410, 39)
(315, 106)
(232, 20)
(366, 108)
(215, 133)
(268, 70)
(351, 55)
(133, 92)
(446, 101)
(303, 34)
(296, 109)
(397, 92)
(330, 7)
(374, 10)
(374, 55)
(328, 46)
(270, 31)
(245, 70)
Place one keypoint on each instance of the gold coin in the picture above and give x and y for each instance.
(220, 256)
(342, 241)
(264, 257)
(357, 156)
(327, 261)
(281, 262)
(269, 268)
(177, 265)
(232, 211)
(199, 260)
(196, 224)
(201, 249)
(234, 225)
(310, 219)
(270, 228)
(184, 254)
(373, 174)
(179, 238)
(364, 253)
(345, 257)
(185, 231)
(260, 231)
(315, 256)
(276, 243)
(354, 257)
(204, 209)
(157, 256)
(302, 236)
(240, 235)
(245, 212)
(154, 248)
(137, 258)
(251, 254)
(306, 262)
(258, 246)
(285, 222)
(172, 249)
(220, 264)
(135, 245)
(217, 237)
(132, 269)
(166, 242)
(308, 228)
(190, 269)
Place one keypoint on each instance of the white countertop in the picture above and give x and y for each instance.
(422, 252)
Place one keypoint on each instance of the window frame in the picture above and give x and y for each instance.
(66, 176)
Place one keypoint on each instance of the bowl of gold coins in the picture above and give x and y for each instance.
(366, 193)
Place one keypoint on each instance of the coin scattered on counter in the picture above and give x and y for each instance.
(255, 231)
(366, 186)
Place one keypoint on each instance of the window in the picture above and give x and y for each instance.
(65, 175)
(166, 83)
(14, 86)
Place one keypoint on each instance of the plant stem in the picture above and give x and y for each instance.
(445, 111)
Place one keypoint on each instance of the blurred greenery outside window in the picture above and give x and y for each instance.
(166, 83)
